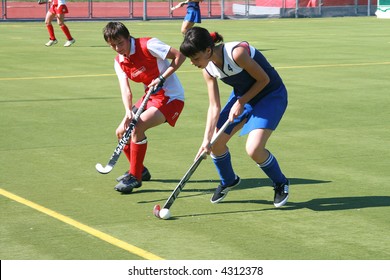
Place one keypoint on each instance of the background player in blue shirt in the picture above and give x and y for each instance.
(256, 105)
(193, 15)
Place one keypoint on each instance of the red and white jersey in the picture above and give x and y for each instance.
(146, 62)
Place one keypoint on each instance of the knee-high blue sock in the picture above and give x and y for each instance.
(224, 167)
(272, 170)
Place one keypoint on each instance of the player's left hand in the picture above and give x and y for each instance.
(236, 110)
(205, 147)
(157, 83)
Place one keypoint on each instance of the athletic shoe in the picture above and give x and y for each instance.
(127, 185)
(145, 175)
(69, 43)
(222, 191)
(281, 194)
(51, 43)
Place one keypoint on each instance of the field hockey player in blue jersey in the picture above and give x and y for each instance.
(255, 106)
(192, 16)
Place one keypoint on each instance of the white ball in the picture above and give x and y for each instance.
(165, 214)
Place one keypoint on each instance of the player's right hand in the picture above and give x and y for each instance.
(129, 115)
(205, 147)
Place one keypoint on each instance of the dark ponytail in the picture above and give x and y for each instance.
(198, 39)
(217, 38)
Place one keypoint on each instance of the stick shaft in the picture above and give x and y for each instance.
(192, 169)
(126, 136)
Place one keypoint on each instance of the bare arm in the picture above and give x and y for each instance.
(127, 100)
(127, 96)
(177, 60)
(212, 112)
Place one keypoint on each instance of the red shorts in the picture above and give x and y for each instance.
(171, 109)
(63, 9)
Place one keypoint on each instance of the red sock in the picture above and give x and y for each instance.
(66, 32)
(138, 152)
(126, 151)
(51, 31)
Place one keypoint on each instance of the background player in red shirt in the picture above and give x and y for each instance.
(151, 62)
(58, 9)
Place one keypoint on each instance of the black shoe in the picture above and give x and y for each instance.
(145, 175)
(281, 194)
(127, 185)
(222, 191)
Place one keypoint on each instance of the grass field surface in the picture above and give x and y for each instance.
(59, 108)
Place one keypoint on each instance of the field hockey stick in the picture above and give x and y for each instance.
(126, 136)
(179, 5)
(187, 176)
(40, 2)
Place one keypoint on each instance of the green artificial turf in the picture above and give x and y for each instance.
(59, 108)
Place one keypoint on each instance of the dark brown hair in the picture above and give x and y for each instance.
(198, 39)
(115, 30)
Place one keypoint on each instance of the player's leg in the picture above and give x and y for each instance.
(190, 19)
(159, 111)
(221, 157)
(48, 21)
(255, 147)
(138, 146)
(220, 153)
(186, 25)
(150, 118)
(61, 22)
(146, 176)
(264, 119)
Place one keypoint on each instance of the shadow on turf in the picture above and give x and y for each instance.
(318, 204)
(341, 203)
(248, 183)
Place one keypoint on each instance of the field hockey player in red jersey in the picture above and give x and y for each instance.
(58, 9)
(255, 106)
(153, 63)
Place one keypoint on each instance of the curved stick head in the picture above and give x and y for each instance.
(103, 170)
(156, 211)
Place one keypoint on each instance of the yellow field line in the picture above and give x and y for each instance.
(195, 70)
(101, 235)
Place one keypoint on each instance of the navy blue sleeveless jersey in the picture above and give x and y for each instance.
(238, 78)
